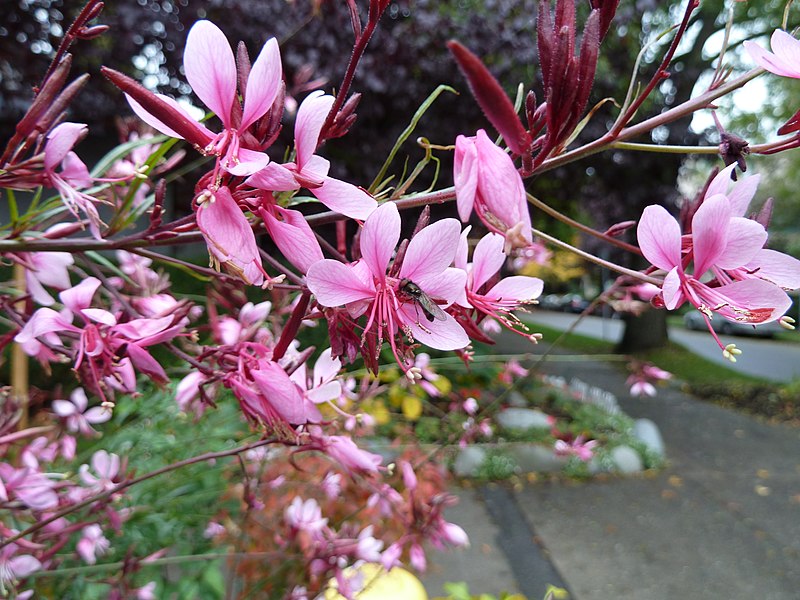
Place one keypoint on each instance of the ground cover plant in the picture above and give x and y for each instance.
(268, 425)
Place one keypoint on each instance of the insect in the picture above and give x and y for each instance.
(429, 308)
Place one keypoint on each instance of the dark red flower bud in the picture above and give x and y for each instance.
(492, 99)
(177, 120)
(90, 33)
(791, 125)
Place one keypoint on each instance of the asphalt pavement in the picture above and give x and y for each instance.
(722, 521)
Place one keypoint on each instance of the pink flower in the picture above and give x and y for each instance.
(322, 385)
(310, 170)
(213, 529)
(229, 237)
(73, 173)
(92, 544)
(78, 418)
(305, 515)
(487, 181)
(46, 268)
(210, 69)
(720, 242)
(104, 474)
(365, 286)
(578, 447)
(368, 547)
(342, 449)
(28, 486)
(503, 296)
(784, 59)
(101, 339)
(14, 566)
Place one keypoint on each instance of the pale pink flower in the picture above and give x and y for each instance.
(331, 485)
(305, 515)
(187, 393)
(213, 529)
(210, 69)
(368, 547)
(146, 592)
(73, 174)
(578, 447)
(79, 419)
(386, 499)
(487, 182)
(784, 59)
(470, 406)
(344, 450)
(365, 287)
(92, 544)
(14, 566)
(417, 558)
(46, 268)
(322, 386)
(104, 473)
(310, 170)
(29, 486)
(390, 557)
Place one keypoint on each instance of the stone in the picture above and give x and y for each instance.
(627, 459)
(468, 461)
(515, 398)
(535, 458)
(522, 418)
(648, 433)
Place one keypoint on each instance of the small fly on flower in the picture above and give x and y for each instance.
(429, 308)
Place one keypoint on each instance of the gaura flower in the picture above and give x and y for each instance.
(784, 59)
(211, 71)
(365, 287)
(720, 242)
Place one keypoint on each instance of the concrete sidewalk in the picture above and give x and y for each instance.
(721, 522)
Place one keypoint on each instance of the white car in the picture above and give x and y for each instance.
(694, 320)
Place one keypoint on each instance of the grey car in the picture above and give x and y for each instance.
(694, 320)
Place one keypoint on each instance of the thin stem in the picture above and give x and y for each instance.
(130, 482)
(19, 360)
(664, 149)
(599, 261)
(580, 226)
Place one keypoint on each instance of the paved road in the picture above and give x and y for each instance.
(779, 361)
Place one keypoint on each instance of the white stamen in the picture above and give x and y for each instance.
(414, 374)
(787, 322)
(731, 352)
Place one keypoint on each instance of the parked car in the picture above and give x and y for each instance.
(694, 320)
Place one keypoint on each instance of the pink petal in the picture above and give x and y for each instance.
(379, 238)
(262, 84)
(345, 198)
(442, 335)
(80, 296)
(659, 237)
(99, 315)
(449, 285)
(325, 393)
(145, 363)
(97, 414)
(64, 408)
(211, 69)
(335, 284)
(431, 250)
(274, 178)
(671, 290)
(249, 162)
(43, 321)
(500, 185)
(280, 392)
(105, 464)
(60, 141)
(23, 565)
(710, 232)
(465, 175)
(326, 368)
(487, 259)
(229, 236)
(773, 62)
(310, 118)
(519, 287)
(777, 267)
(293, 236)
(75, 172)
(742, 193)
(138, 329)
(462, 250)
(755, 295)
(745, 239)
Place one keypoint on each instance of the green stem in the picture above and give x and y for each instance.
(665, 149)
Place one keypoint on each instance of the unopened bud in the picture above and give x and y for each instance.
(731, 352)
(618, 229)
(90, 33)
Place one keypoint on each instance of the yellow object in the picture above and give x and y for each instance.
(380, 584)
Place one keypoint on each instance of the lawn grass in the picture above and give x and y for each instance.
(676, 359)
